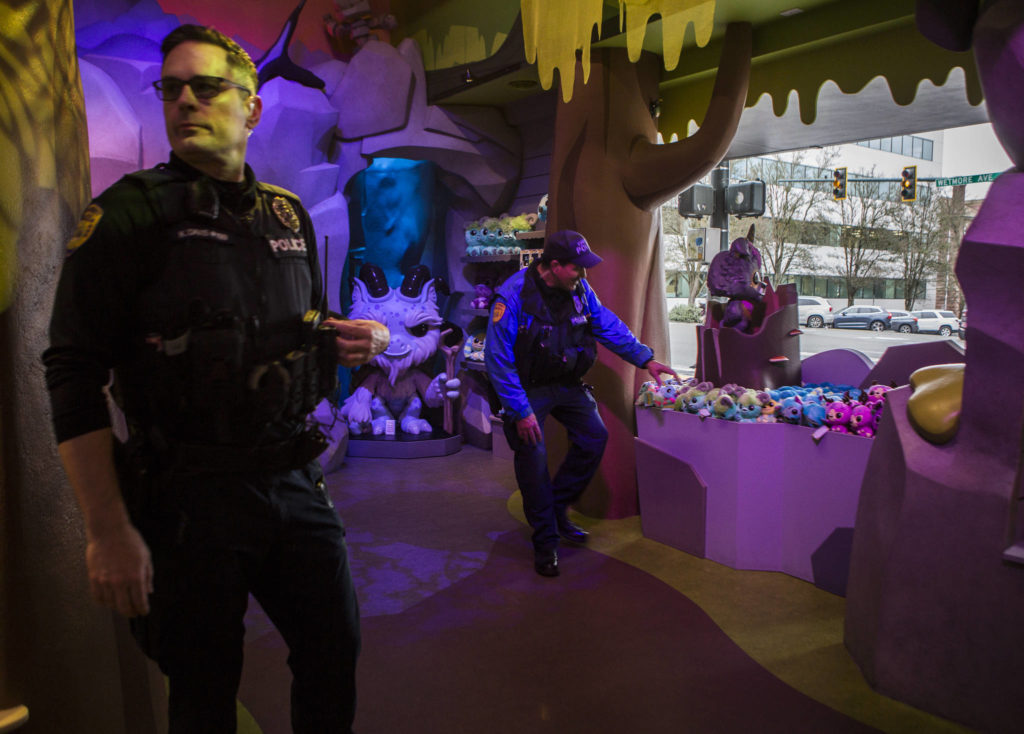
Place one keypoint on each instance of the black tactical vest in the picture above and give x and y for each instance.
(553, 348)
(227, 345)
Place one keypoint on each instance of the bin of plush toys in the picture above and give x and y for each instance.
(775, 474)
(838, 408)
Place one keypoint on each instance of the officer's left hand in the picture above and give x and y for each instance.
(359, 340)
(657, 369)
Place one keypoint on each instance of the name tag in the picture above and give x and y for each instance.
(202, 233)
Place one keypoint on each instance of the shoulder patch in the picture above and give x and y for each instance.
(498, 312)
(285, 213)
(86, 226)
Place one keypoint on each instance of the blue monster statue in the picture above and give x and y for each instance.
(394, 386)
(734, 276)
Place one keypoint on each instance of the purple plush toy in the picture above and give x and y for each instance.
(735, 274)
(838, 416)
(862, 421)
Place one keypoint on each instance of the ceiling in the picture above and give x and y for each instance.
(828, 74)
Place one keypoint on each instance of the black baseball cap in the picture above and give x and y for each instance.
(568, 246)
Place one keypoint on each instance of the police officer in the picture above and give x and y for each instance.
(199, 287)
(542, 338)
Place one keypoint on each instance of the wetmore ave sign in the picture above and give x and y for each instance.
(964, 180)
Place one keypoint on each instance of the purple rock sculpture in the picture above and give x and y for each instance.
(936, 582)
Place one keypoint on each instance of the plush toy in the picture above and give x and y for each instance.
(473, 349)
(791, 410)
(813, 414)
(838, 416)
(769, 408)
(724, 407)
(393, 386)
(862, 420)
(695, 398)
(484, 294)
(510, 225)
(734, 275)
(876, 393)
(542, 209)
(665, 394)
(749, 407)
(733, 389)
(645, 395)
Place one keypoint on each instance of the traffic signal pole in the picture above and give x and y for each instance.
(719, 215)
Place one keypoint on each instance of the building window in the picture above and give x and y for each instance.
(908, 145)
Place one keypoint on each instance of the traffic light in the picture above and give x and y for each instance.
(839, 184)
(908, 184)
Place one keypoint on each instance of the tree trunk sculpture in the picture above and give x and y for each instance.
(608, 178)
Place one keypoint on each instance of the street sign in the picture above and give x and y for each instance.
(963, 180)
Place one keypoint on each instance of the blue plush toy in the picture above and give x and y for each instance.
(791, 410)
(814, 414)
(749, 407)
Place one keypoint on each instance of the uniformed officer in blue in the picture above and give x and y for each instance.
(542, 338)
(200, 288)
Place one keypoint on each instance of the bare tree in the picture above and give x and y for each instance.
(864, 219)
(682, 259)
(954, 216)
(920, 240)
(789, 209)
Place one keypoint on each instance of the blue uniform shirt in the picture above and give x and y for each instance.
(507, 316)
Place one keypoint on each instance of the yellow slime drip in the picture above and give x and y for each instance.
(554, 31)
(675, 16)
(552, 36)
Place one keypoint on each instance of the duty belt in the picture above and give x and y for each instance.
(293, 453)
(567, 381)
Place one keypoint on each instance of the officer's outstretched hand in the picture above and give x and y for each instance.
(359, 340)
(529, 429)
(120, 570)
(657, 369)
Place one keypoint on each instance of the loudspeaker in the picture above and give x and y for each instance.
(697, 201)
(745, 199)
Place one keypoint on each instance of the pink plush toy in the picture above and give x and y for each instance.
(837, 416)
(862, 421)
(876, 394)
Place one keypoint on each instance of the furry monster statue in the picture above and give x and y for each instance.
(393, 386)
(735, 275)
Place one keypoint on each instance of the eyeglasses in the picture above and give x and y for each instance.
(203, 87)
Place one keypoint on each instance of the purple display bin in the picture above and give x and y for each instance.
(774, 498)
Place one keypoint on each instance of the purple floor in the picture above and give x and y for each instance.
(460, 635)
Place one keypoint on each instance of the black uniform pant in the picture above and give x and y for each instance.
(546, 499)
(215, 539)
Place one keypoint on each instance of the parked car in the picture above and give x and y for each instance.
(815, 311)
(875, 318)
(903, 322)
(937, 322)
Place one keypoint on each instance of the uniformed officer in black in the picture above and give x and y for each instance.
(198, 286)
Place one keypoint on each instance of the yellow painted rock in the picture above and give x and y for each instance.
(934, 408)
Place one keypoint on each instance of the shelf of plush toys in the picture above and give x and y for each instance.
(494, 251)
(756, 479)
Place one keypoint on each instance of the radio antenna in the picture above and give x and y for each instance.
(324, 279)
